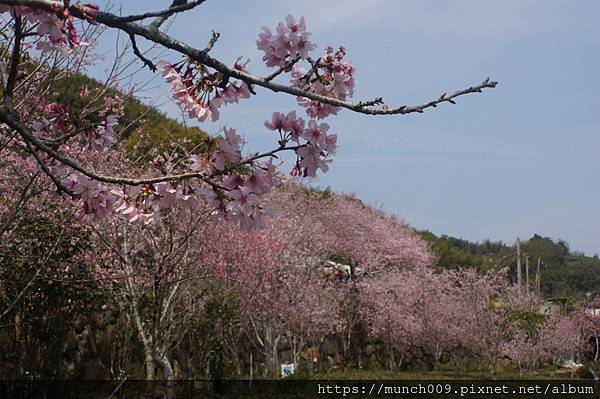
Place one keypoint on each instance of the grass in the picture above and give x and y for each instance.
(434, 375)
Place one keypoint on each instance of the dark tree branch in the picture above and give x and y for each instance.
(284, 68)
(35, 276)
(20, 204)
(15, 59)
(137, 52)
(375, 101)
(176, 7)
(21, 293)
(59, 186)
(10, 117)
(213, 41)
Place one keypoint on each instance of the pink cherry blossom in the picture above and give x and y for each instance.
(165, 196)
(336, 79)
(229, 149)
(233, 182)
(260, 182)
(311, 159)
(50, 25)
(41, 128)
(278, 122)
(210, 196)
(291, 40)
(243, 201)
(314, 133)
(289, 123)
(295, 126)
(102, 137)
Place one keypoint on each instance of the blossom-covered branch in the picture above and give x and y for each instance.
(158, 37)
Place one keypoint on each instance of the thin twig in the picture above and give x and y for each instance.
(137, 52)
(284, 68)
(176, 7)
(213, 40)
(118, 387)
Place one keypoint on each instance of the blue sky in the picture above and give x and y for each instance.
(516, 160)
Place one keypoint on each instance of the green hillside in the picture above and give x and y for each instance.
(563, 273)
(144, 129)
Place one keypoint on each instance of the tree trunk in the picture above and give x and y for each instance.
(148, 363)
(145, 339)
(296, 345)
(392, 358)
(271, 345)
(275, 358)
(166, 367)
(436, 357)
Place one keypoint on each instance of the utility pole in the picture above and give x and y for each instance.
(519, 272)
(538, 277)
(527, 273)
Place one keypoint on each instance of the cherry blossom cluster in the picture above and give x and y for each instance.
(97, 137)
(232, 186)
(102, 137)
(56, 26)
(330, 76)
(233, 195)
(318, 146)
(243, 192)
(238, 200)
(289, 41)
(245, 196)
(141, 203)
(95, 198)
(199, 93)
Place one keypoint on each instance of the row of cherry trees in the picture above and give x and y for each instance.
(165, 277)
(200, 296)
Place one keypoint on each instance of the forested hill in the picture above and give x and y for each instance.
(563, 273)
(144, 129)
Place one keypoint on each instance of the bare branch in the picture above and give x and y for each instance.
(137, 52)
(15, 59)
(21, 293)
(213, 40)
(25, 195)
(375, 101)
(176, 7)
(284, 68)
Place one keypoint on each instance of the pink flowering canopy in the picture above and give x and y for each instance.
(73, 151)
